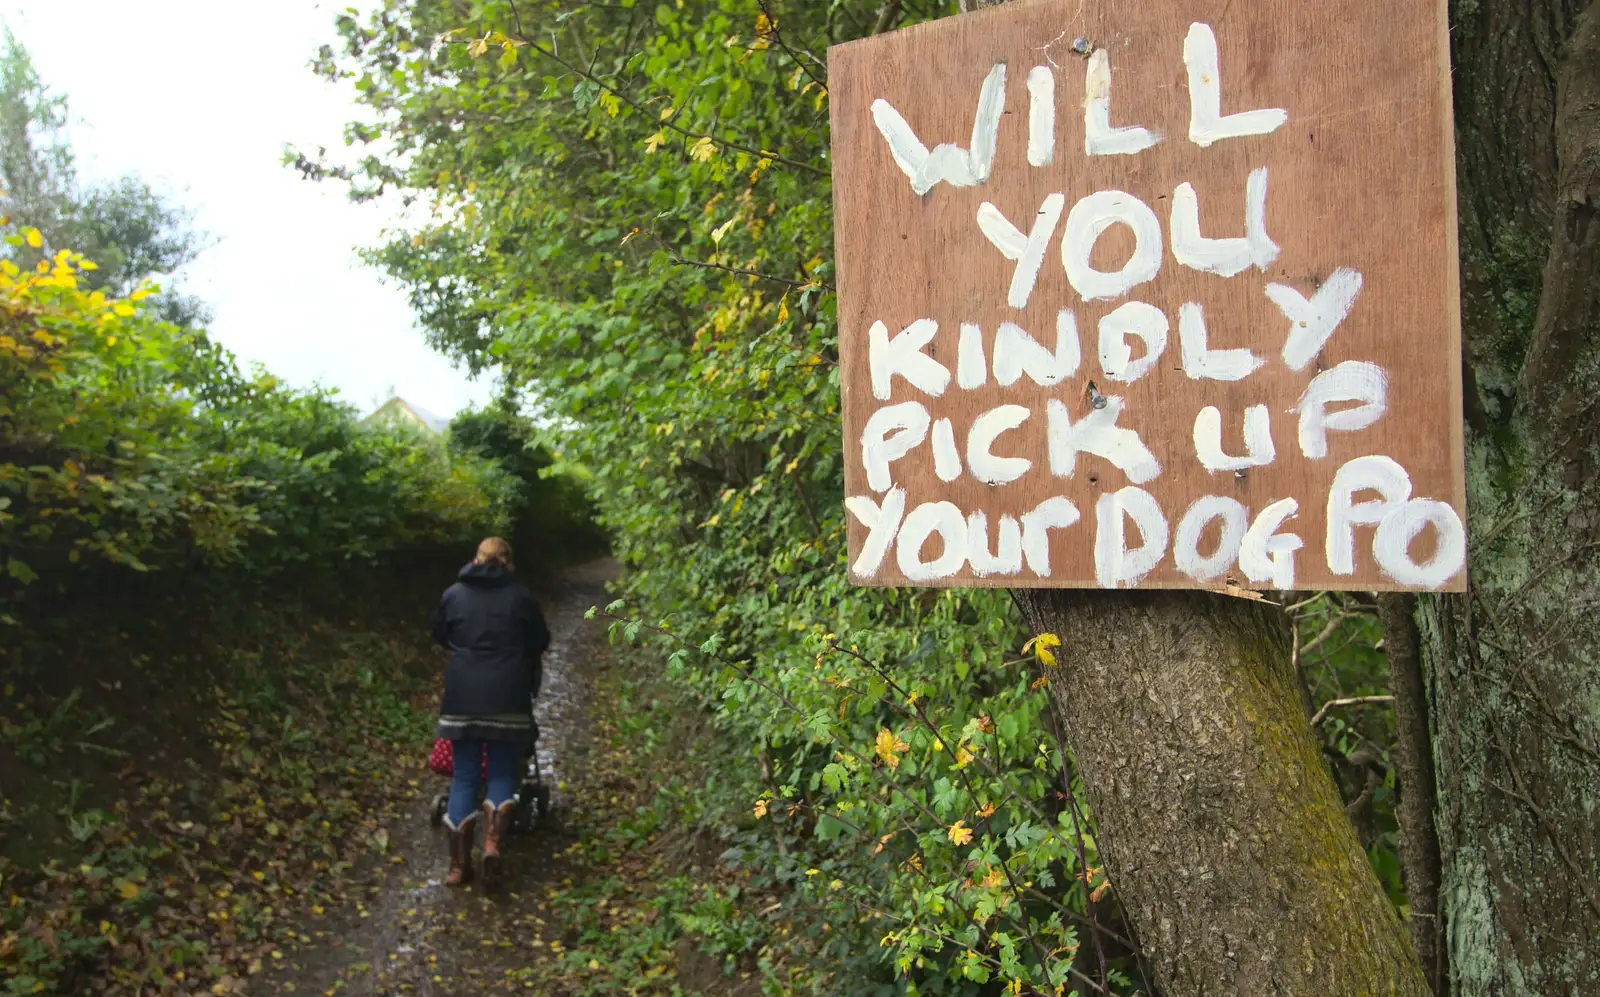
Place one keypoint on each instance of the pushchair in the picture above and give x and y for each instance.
(531, 798)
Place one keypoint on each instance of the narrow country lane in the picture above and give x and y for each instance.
(407, 933)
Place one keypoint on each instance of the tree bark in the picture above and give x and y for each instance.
(1513, 667)
(1223, 832)
(1222, 829)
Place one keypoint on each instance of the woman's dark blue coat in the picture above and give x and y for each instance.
(496, 635)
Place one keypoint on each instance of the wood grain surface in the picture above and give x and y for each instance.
(1359, 177)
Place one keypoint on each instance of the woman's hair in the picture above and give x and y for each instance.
(493, 550)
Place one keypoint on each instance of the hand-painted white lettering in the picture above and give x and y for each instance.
(921, 524)
(1225, 257)
(971, 370)
(1041, 116)
(1088, 219)
(1376, 473)
(1007, 558)
(1351, 381)
(986, 428)
(1186, 546)
(1017, 353)
(1207, 124)
(1114, 564)
(1391, 544)
(1265, 555)
(1027, 250)
(1098, 434)
(1312, 322)
(1134, 318)
(1055, 513)
(1258, 448)
(891, 433)
(1200, 361)
(1099, 138)
(882, 522)
(946, 458)
(948, 163)
(903, 355)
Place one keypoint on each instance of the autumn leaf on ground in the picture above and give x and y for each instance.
(889, 747)
(960, 833)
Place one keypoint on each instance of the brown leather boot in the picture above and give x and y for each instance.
(460, 839)
(496, 822)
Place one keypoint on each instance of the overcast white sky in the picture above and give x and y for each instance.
(197, 97)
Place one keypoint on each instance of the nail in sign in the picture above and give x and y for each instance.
(1157, 294)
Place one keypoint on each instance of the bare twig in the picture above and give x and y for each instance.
(1322, 714)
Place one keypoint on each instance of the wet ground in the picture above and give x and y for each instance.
(405, 932)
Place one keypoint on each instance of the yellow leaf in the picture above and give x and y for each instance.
(128, 890)
(783, 308)
(761, 808)
(123, 309)
(960, 833)
(653, 143)
(33, 237)
(667, 113)
(478, 47)
(722, 230)
(704, 150)
(1041, 645)
(508, 57)
(140, 294)
(987, 810)
(889, 747)
(963, 756)
(611, 102)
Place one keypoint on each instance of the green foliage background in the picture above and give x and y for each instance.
(629, 211)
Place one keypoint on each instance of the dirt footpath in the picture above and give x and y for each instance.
(407, 933)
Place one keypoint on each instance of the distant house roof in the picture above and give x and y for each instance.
(398, 410)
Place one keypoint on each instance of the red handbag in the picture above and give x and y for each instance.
(442, 759)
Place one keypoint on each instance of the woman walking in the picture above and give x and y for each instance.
(495, 633)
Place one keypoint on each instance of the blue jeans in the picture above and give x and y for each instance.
(504, 757)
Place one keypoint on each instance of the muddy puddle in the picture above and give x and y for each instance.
(403, 931)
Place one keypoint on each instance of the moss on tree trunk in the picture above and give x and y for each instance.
(1225, 836)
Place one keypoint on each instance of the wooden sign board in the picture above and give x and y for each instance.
(1159, 293)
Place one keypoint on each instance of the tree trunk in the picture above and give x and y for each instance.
(1413, 749)
(1223, 831)
(1513, 666)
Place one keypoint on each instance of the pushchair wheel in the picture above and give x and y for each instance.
(441, 806)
